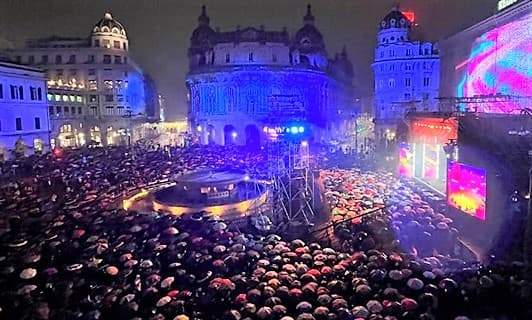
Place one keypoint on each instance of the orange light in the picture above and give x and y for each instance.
(410, 15)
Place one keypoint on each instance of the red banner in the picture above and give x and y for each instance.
(433, 130)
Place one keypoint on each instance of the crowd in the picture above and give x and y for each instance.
(68, 253)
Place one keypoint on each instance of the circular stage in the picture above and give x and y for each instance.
(225, 193)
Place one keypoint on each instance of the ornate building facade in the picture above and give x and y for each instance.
(24, 125)
(96, 92)
(238, 80)
(406, 72)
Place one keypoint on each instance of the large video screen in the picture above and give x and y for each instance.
(499, 63)
(406, 160)
(466, 189)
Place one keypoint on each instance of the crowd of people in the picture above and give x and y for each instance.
(69, 253)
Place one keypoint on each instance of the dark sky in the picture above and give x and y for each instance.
(159, 30)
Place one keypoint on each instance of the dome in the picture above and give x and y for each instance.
(395, 19)
(308, 38)
(203, 34)
(109, 25)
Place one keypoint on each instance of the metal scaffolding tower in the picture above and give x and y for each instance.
(292, 181)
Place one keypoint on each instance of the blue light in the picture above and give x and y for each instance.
(294, 130)
(301, 129)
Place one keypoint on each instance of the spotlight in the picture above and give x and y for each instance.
(304, 143)
(198, 128)
(294, 130)
(515, 197)
(301, 129)
(234, 134)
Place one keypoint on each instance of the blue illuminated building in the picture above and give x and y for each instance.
(242, 81)
(406, 72)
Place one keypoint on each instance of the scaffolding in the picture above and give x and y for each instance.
(292, 181)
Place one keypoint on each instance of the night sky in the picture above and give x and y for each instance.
(159, 30)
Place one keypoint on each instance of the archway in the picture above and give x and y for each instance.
(252, 137)
(230, 135)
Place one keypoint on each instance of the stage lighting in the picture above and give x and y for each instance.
(301, 129)
(304, 143)
(198, 128)
(294, 130)
(234, 134)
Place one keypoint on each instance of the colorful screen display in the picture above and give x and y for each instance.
(499, 63)
(431, 161)
(406, 160)
(433, 130)
(466, 189)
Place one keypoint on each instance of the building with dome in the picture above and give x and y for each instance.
(96, 92)
(240, 81)
(406, 73)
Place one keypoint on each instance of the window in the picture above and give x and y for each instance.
(106, 43)
(37, 123)
(425, 96)
(57, 97)
(426, 51)
(58, 59)
(14, 91)
(33, 93)
(125, 60)
(39, 94)
(94, 110)
(392, 67)
(408, 52)
(227, 58)
(108, 84)
(107, 59)
(51, 110)
(72, 98)
(120, 110)
(426, 81)
(73, 110)
(1, 91)
(109, 110)
(250, 57)
(18, 124)
(408, 67)
(91, 58)
(391, 83)
(31, 59)
(391, 53)
(79, 110)
(50, 97)
(118, 60)
(118, 84)
(108, 97)
(58, 109)
(44, 59)
(407, 96)
(124, 46)
(408, 82)
(79, 99)
(72, 58)
(382, 54)
(116, 44)
(20, 92)
(93, 85)
(97, 43)
(65, 98)
(93, 98)
(59, 72)
(119, 98)
(274, 57)
(66, 109)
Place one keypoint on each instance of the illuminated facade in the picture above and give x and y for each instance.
(24, 126)
(96, 93)
(490, 61)
(406, 72)
(238, 80)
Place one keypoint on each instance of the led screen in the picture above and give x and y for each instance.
(431, 161)
(499, 63)
(466, 189)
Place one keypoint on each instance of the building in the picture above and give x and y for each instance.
(486, 67)
(239, 81)
(95, 90)
(406, 73)
(24, 125)
(151, 98)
